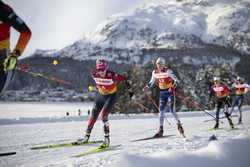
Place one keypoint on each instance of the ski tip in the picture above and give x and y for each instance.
(7, 153)
(150, 138)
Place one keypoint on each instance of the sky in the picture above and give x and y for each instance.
(58, 23)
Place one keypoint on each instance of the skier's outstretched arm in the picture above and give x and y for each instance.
(9, 16)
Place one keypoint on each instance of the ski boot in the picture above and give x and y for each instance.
(216, 126)
(229, 120)
(159, 133)
(105, 143)
(240, 121)
(180, 129)
(231, 124)
(84, 140)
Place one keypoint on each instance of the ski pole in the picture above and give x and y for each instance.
(51, 78)
(141, 105)
(152, 100)
(26, 68)
(53, 63)
(220, 118)
(174, 108)
(196, 105)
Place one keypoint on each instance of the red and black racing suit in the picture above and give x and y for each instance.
(221, 95)
(107, 88)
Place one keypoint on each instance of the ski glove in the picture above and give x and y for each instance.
(11, 61)
(174, 85)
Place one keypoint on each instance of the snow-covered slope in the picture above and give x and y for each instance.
(168, 24)
(217, 154)
(231, 149)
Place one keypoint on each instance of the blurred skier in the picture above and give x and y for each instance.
(164, 78)
(240, 88)
(106, 83)
(8, 60)
(220, 94)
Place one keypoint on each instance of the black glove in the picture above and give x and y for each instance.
(174, 85)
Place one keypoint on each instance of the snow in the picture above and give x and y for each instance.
(230, 150)
(231, 153)
(16, 110)
(199, 61)
(168, 24)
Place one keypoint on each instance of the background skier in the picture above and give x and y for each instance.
(240, 89)
(164, 78)
(220, 94)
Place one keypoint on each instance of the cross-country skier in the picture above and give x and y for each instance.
(220, 92)
(106, 83)
(8, 60)
(165, 79)
(240, 88)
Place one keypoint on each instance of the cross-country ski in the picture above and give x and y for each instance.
(69, 144)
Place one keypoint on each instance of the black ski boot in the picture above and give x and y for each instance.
(229, 120)
(240, 121)
(159, 133)
(180, 128)
(231, 123)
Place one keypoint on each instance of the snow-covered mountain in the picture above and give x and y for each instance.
(177, 24)
(172, 24)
